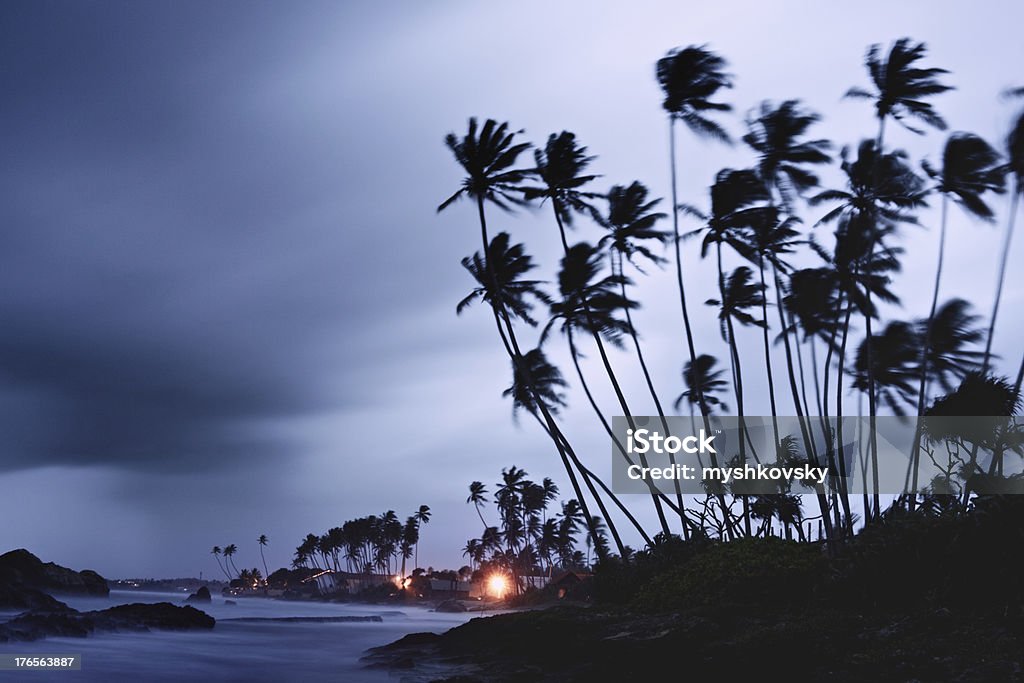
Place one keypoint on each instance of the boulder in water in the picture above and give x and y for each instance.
(21, 569)
(450, 606)
(201, 595)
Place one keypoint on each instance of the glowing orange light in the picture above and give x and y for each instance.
(497, 585)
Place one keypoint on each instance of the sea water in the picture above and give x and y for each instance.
(242, 651)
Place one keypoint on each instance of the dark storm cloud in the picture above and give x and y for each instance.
(180, 258)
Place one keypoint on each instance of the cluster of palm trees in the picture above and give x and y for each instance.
(525, 541)
(776, 220)
(248, 576)
(375, 544)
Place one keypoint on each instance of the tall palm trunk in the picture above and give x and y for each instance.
(767, 352)
(574, 354)
(606, 362)
(1004, 258)
(844, 496)
(737, 377)
(679, 267)
(501, 316)
(650, 386)
(802, 416)
(922, 387)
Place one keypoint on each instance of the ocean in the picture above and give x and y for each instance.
(246, 652)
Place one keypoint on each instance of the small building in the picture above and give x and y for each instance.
(443, 589)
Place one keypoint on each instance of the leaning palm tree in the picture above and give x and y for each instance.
(631, 222)
(262, 541)
(230, 550)
(690, 77)
(953, 333)
(900, 86)
(216, 552)
(422, 516)
(478, 497)
(784, 161)
(537, 385)
(776, 134)
(702, 380)
(1015, 154)
(894, 365)
(970, 168)
(739, 295)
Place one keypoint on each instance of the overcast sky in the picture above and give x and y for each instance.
(227, 307)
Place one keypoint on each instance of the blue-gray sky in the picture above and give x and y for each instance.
(227, 304)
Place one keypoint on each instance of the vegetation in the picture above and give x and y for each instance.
(823, 258)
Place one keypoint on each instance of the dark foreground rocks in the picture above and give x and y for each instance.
(20, 569)
(134, 617)
(581, 644)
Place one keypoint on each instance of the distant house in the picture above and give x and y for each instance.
(443, 589)
(529, 582)
(569, 577)
(329, 582)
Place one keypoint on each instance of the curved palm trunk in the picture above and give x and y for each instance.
(737, 377)
(922, 388)
(841, 455)
(802, 416)
(574, 354)
(679, 268)
(1002, 275)
(650, 387)
(767, 352)
(500, 316)
(606, 362)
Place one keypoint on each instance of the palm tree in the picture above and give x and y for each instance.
(543, 393)
(262, 541)
(499, 276)
(590, 304)
(893, 365)
(900, 86)
(970, 168)
(953, 332)
(690, 78)
(776, 134)
(630, 222)
(422, 516)
(702, 382)
(216, 555)
(1015, 153)
(478, 496)
(489, 157)
(230, 550)
(739, 294)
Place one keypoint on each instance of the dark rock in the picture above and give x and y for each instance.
(230, 602)
(201, 595)
(134, 617)
(22, 597)
(20, 568)
(450, 606)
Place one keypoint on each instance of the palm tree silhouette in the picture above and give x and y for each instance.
(230, 550)
(216, 555)
(894, 365)
(262, 541)
(689, 78)
(1015, 167)
(489, 159)
(422, 516)
(702, 380)
(776, 134)
(478, 497)
(900, 87)
(739, 294)
(630, 222)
